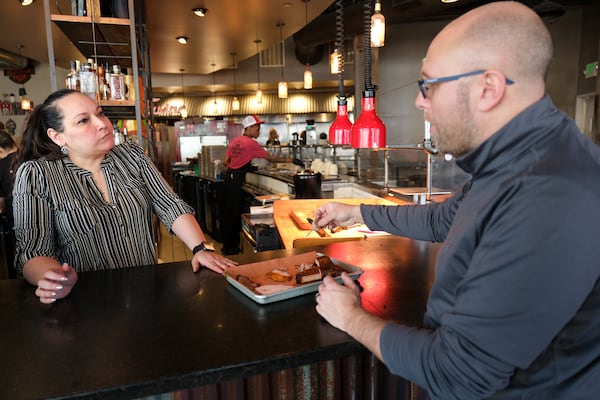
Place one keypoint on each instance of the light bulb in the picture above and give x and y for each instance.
(25, 104)
(377, 27)
(259, 95)
(282, 90)
(308, 78)
(334, 62)
(235, 104)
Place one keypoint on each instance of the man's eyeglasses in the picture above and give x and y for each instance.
(425, 84)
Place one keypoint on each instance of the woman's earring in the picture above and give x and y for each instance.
(64, 150)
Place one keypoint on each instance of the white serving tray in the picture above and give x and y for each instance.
(278, 291)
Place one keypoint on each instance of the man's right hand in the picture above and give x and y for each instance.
(337, 214)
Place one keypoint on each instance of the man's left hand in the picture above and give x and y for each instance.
(338, 303)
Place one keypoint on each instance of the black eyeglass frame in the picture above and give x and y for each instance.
(424, 83)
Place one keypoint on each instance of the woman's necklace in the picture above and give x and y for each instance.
(100, 180)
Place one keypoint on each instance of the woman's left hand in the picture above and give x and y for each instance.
(212, 261)
(56, 284)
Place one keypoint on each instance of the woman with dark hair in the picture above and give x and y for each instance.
(8, 150)
(82, 204)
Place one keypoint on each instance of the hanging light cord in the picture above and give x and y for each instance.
(368, 6)
(339, 44)
(306, 12)
(280, 25)
(182, 87)
(257, 41)
(234, 68)
(214, 83)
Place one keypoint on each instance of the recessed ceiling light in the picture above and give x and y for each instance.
(449, 1)
(26, 2)
(182, 39)
(200, 11)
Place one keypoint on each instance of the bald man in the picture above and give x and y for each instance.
(514, 312)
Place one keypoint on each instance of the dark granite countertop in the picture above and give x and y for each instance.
(140, 331)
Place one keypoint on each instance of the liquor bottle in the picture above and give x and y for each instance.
(117, 91)
(102, 86)
(129, 86)
(107, 81)
(89, 81)
(72, 82)
(79, 8)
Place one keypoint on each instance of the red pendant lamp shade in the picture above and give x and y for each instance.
(339, 131)
(368, 131)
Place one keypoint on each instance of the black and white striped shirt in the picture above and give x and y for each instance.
(60, 212)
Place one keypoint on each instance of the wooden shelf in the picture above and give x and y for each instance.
(88, 20)
(111, 36)
(119, 112)
(107, 40)
(117, 103)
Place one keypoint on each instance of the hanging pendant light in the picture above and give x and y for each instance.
(340, 129)
(259, 93)
(282, 88)
(308, 79)
(215, 109)
(183, 112)
(235, 103)
(368, 130)
(308, 76)
(377, 26)
(334, 62)
(25, 102)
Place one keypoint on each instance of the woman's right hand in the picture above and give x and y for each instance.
(56, 283)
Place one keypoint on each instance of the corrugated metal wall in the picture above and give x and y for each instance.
(349, 378)
(296, 103)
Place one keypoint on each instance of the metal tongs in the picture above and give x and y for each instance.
(315, 228)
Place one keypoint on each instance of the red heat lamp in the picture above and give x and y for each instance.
(368, 132)
(339, 131)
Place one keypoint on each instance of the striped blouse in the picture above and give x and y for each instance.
(60, 212)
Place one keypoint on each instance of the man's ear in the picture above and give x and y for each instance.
(494, 85)
(55, 136)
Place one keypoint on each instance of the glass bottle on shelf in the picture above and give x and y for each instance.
(102, 85)
(107, 81)
(72, 82)
(117, 90)
(89, 81)
(129, 87)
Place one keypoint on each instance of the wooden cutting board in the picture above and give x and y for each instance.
(300, 218)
